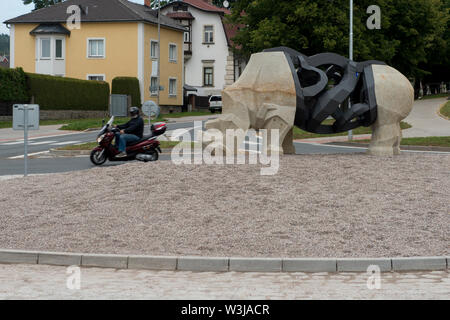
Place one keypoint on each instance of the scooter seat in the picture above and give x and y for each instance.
(144, 138)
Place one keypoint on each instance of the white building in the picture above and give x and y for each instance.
(210, 64)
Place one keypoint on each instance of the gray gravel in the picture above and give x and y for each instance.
(316, 206)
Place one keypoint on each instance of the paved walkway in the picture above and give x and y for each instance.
(425, 120)
(46, 282)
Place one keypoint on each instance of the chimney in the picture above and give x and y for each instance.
(148, 3)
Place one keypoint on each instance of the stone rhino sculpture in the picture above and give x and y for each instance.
(281, 87)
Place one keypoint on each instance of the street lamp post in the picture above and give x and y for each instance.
(350, 132)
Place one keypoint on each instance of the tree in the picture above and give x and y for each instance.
(39, 4)
(4, 44)
(409, 29)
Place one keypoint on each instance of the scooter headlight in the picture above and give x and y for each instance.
(99, 139)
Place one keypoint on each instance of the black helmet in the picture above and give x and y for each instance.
(134, 111)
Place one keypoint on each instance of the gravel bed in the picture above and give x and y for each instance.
(316, 206)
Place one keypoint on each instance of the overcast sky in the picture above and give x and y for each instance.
(13, 8)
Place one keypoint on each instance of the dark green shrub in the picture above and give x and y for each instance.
(56, 93)
(13, 86)
(128, 86)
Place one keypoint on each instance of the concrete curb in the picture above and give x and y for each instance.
(221, 264)
(439, 111)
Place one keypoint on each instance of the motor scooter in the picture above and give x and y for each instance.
(146, 149)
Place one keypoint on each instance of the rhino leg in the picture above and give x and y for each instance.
(275, 117)
(395, 98)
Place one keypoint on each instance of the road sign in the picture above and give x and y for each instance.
(31, 111)
(25, 117)
(151, 109)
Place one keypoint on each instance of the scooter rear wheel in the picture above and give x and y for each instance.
(98, 157)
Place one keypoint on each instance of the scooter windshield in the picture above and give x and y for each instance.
(107, 125)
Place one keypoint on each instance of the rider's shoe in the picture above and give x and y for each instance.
(122, 155)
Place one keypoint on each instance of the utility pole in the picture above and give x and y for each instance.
(350, 132)
(159, 50)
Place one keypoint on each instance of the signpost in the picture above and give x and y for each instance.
(25, 117)
(150, 109)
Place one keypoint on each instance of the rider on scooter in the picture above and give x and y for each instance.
(130, 132)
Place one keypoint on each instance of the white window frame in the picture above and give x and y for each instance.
(96, 75)
(156, 53)
(176, 87)
(153, 93)
(104, 48)
(213, 33)
(63, 49)
(176, 52)
(40, 48)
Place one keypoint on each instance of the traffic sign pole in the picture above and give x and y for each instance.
(25, 138)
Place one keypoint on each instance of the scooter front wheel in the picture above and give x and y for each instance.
(98, 157)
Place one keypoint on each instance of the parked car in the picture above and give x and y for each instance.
(215, 104)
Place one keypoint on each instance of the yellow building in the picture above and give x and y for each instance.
(101, 40)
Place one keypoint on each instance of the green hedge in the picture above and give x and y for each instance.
(128, 86)
(13, 86)
(57, 93)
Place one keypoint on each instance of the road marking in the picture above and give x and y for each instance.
(65, 142)
(11, 143)
(30, 155)
(41, 142)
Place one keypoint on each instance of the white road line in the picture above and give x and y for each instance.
(65, 142)
(41, 142)
(51, 136)
(30, 154)
(11, 143)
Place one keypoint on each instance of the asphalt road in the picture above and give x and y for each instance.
(11, 153)
(66, 164)
(16, 148)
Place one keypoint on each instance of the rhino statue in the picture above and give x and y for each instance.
(281, 87)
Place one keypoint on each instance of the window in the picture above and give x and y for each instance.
(172, 87)
(154, 86)
(45, 48)
(187, 36)
(96, 48)
(208, 77)
(96, 77)
(208, 34)
(58, 49)
(153, 49)
(172, 52)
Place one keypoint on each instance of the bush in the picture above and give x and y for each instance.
(13, 86)
(128, 86)
(56, 93)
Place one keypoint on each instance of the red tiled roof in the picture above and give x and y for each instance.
(180, 15)
(204, 5)
(230, 31)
